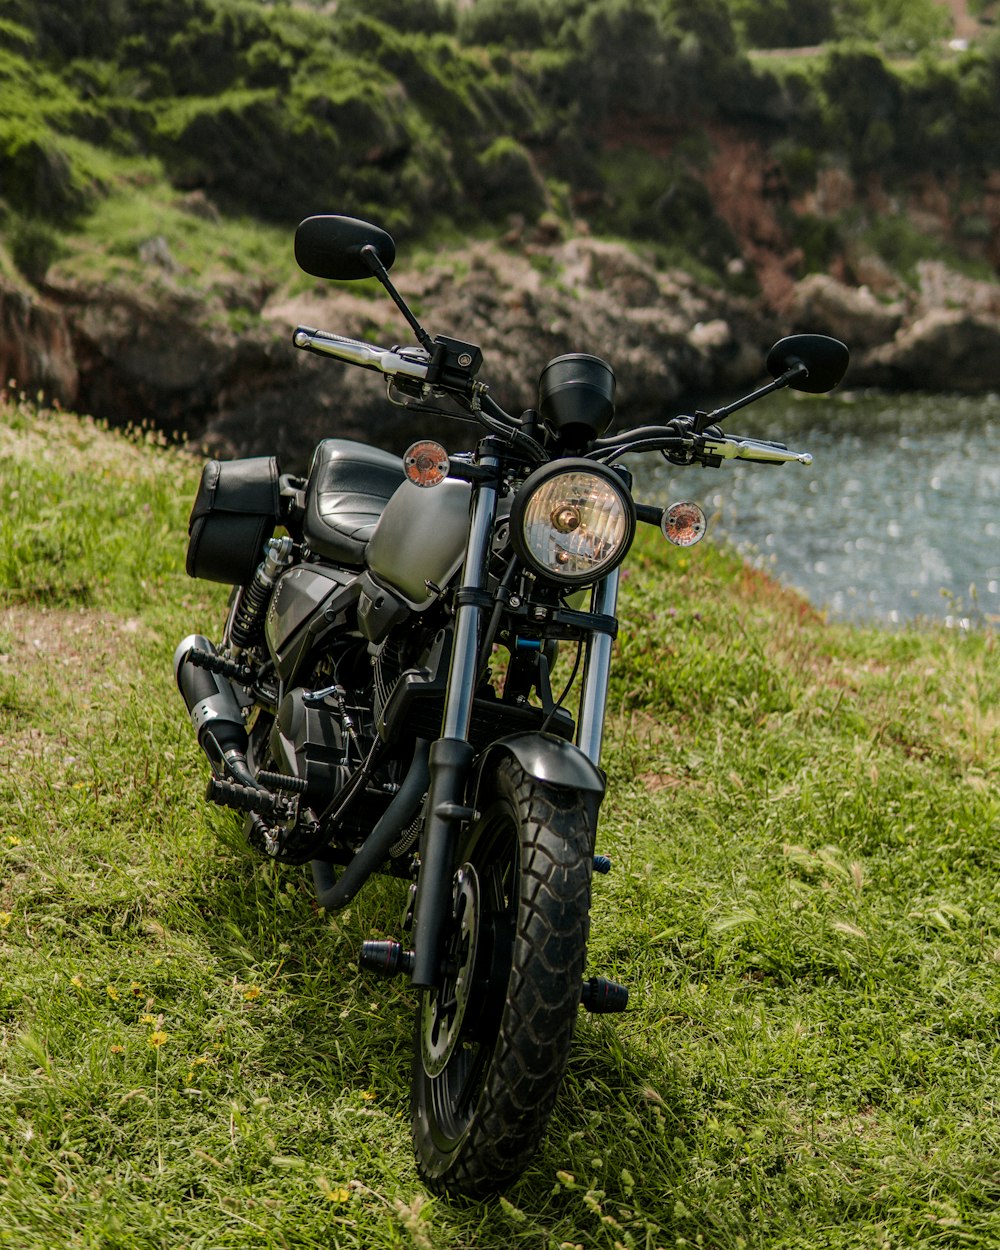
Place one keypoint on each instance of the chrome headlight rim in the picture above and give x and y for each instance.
(541, 477)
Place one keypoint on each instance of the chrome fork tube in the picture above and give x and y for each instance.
(451, 755)
(465, 649)
(596, 672)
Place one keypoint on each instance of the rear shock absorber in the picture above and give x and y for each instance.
(247, 621)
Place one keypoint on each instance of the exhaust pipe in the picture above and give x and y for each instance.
(214, 710)
(333, 894)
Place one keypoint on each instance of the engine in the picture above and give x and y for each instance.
(307, 742)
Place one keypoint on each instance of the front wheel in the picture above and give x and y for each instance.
(491, 1044)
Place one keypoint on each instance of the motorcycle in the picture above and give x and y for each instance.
(381, 698)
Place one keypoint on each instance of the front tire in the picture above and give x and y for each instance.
(492, 1043)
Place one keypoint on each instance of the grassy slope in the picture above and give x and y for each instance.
(805, 829)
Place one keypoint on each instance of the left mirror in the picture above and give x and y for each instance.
(330, 247)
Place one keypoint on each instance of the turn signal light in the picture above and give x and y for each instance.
(683, 524)
(426, 463)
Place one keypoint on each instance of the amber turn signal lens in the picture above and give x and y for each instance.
(683, 524)
(425, 463)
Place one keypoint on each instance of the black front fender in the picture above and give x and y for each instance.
(548, 759)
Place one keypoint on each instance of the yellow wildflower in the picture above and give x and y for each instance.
(146, 1018)
(77, 980)
(251, 993)
(368, 1095)
(136, 989)
(5, 918)
(117, 1050)
(157, 1038)
(112, 992)
(13, 840)
(333, 1193)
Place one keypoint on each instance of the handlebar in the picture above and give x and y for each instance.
(391, 361)
(708, 446)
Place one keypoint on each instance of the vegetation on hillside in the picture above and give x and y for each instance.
(423, 115)
(804, 824)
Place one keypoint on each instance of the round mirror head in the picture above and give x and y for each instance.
(826, 360)
(330, 247)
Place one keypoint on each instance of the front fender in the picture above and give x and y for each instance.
(548, 759)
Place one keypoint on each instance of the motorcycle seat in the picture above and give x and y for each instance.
(349, 484)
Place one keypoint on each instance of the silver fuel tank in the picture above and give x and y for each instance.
(419, 538)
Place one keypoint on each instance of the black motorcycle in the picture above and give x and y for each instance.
(382, 700)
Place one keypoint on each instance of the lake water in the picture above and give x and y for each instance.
(898, 516)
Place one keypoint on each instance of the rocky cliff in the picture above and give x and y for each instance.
(162, 356)
(849, 189)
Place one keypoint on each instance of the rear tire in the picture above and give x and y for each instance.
(491, 1045)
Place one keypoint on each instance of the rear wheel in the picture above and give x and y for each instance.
(491, 1044)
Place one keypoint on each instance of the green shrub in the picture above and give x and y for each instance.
(663, 201)
(33, 246)
(412, 16)
(900, 26)
(518, 23)
(509, 181)
(784, 23)
(708, 21)
(820, 239)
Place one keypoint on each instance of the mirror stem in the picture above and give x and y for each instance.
(791, 375)
(371, 259)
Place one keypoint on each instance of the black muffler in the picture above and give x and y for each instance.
(214, 710)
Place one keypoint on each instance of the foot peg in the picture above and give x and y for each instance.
(601, 996)
(242, 798)
(385, 959)
(230, 669)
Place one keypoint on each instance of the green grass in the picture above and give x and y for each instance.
(804, 821)
(144, 234)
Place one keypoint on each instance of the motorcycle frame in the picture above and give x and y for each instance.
(452, 756)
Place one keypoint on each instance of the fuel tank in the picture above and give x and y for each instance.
(419, 538)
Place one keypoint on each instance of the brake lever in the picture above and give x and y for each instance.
(718, 446)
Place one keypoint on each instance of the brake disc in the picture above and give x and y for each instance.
(443, 1011)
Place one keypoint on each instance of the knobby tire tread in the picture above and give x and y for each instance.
(543, 997)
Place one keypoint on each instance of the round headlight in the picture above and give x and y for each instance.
(572, 521)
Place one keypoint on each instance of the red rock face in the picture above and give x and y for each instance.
(36, 347)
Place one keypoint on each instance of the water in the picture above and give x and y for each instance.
(898, 517)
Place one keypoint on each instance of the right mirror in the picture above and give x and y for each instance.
(825, 358)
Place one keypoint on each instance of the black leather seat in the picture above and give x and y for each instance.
(349, 485)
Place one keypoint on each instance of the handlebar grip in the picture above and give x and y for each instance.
(353, 352)
(754, 449)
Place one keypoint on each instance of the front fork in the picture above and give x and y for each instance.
(597, 673)
(451, 755)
